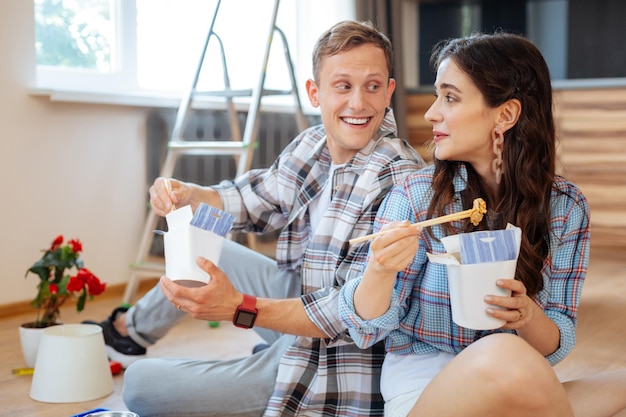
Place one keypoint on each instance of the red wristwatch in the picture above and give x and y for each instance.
(246, 312)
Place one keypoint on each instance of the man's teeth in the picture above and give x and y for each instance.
(354, 121)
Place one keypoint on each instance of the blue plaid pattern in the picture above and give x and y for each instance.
(420, 317)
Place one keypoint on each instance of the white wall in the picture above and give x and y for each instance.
(71, 169)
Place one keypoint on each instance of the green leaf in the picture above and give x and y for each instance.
(80, 305)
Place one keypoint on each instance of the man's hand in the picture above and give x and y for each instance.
(219, 299)
(215, 301)
(167, 194)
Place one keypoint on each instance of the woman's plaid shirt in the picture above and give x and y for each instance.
(419, 320)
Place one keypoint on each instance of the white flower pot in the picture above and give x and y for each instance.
(29, 339)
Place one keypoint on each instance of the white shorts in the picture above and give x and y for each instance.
(404, 378)
(400, 405)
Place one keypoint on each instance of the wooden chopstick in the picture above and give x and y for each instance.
(168, 187)
(475, 214)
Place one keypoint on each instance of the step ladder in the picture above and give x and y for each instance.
(241, 147)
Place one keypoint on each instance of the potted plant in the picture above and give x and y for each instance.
(62, 276)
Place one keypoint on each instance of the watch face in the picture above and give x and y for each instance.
(245, 319)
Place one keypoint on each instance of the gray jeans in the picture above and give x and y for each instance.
(181, 387)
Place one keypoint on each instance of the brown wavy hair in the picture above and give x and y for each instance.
(506, 66)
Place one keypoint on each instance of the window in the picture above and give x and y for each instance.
(76, 42)
(153, 46)
(582, 41)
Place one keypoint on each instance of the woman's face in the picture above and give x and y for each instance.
(462, 121)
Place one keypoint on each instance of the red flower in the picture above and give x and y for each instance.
(94, 286)
(57, 284)
(56, 242)
(85, 278)
(76, 245)
(75, 284)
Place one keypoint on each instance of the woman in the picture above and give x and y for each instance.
(494, 138)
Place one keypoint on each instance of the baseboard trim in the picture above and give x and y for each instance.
(112, 291)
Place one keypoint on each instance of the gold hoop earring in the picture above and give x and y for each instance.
(498, 142)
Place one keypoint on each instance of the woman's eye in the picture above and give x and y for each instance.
(449, 99)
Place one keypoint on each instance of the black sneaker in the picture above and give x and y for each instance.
(119, 348)
(259, 347)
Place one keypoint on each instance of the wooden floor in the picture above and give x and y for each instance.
(192, 338)
(601, 340)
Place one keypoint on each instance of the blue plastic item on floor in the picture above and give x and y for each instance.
(86, 413)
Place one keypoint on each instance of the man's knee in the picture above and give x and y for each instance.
(138, 392)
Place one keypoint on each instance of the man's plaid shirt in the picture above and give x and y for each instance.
(331, 376)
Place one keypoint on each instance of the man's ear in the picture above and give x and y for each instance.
(509, 114)
(391, 87)
(312, 90)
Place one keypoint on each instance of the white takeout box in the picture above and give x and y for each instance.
(469, 284)
(183, 243)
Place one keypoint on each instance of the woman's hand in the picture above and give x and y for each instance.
(525, 316)
(390, 253)
(394, 251)
(519, 308)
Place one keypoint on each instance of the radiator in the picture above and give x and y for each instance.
(276, 130)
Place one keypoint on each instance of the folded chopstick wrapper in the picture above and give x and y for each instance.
(192, 235)
(212, 219)
(474, 261)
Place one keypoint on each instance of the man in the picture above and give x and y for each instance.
(322, 190)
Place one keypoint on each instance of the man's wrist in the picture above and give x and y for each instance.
(246, 312)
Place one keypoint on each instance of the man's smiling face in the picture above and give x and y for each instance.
(353, 92)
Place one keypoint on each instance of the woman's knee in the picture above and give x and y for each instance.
(515, 369)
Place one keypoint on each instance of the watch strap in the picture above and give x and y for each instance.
(248, 303)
